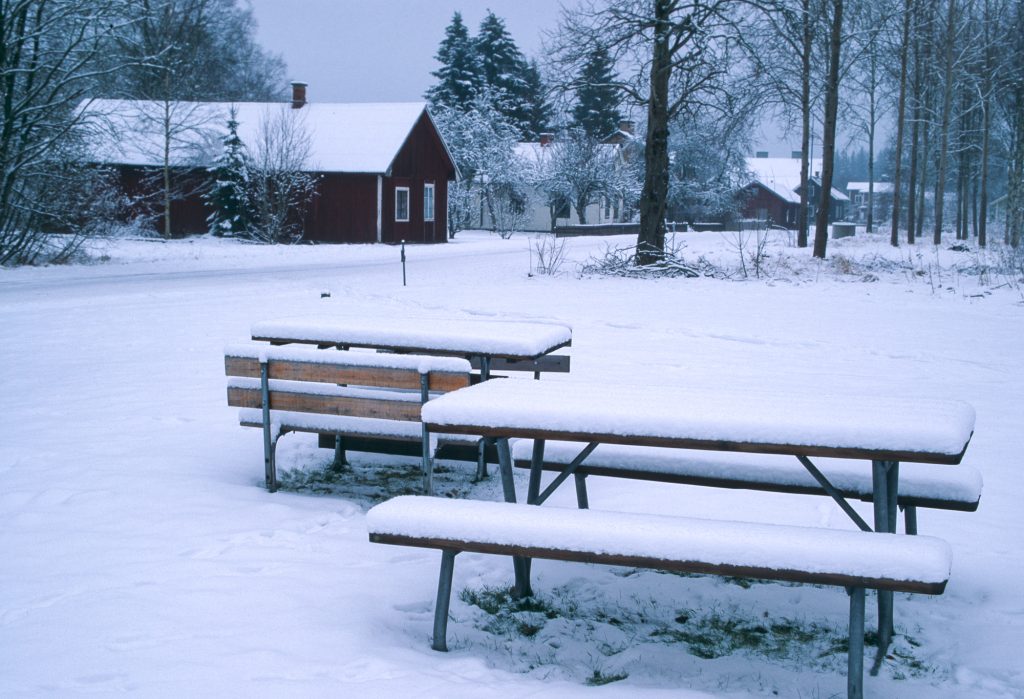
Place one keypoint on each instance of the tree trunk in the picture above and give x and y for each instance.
(901, 117)
(915, 133)
(947, 107)
(1015, 181)
(581, 210)
(650, 242)
(806, 46)
(986, 126)
(871, 140)
(828, 140)
(926, 132)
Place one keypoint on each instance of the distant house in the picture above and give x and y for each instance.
(881, 200)
(540, 214)
(383, 169)
(773, 192)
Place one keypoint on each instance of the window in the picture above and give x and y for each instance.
(401, 203)
(428, 201)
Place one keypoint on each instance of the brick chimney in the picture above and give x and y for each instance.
(298, 95)
(627, 126)
(546, 139)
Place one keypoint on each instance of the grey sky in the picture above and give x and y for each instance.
(381, 50)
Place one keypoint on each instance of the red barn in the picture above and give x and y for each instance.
(383, 169)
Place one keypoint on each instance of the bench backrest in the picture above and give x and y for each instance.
(302, 379)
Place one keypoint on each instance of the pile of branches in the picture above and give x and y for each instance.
(621, 262)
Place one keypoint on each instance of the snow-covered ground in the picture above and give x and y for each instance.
(141, 554)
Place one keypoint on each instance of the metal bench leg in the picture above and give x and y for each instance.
(428, 464)
(581, 491)
(855, 656)
(910, 519)
(340, 459)
(272, 466)
(444, 598)
(481, 459)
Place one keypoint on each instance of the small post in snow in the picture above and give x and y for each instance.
(403, 263)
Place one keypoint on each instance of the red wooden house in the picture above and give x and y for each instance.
(383, 169)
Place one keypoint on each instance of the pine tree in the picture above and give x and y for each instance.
(227, 198)
(505, 71)
(461, 73)
(536, 116)
(597, 100)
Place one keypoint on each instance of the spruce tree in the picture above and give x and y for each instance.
(227, 198)
(459, 78)
(536, 116)
(504, 70)
(597, 100)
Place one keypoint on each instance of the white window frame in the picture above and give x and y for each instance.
(398, 190)
(428, 214)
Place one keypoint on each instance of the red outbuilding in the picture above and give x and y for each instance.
(382, 169)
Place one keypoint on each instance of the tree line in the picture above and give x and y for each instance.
(946, 75)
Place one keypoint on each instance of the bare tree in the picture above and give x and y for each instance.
(580, 169)
(48, 54)
(674, 55)
(828, 144)
(901, 111)
(281, 183)
(785, 47)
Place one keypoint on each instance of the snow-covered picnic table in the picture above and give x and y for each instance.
(881, 430)
(488, 344)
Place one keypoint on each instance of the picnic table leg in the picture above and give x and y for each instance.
(519, 564)
(536, 466)
(481, 459)
(444, 598)
(885, 481)
(855, 653)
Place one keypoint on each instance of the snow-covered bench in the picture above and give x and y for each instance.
(353, 395)
(852, 559)
(920, 485)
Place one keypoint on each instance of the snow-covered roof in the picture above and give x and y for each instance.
(880, 187)
(780, 175)
(535, 152)
(344, 137)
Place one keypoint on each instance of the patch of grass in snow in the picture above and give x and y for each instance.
(598, 678)
(373, 483)
(538, 631)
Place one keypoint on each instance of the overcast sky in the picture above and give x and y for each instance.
(383, 50)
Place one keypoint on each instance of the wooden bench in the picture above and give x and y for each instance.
(852, 559)
(359, 395)
(921, 485)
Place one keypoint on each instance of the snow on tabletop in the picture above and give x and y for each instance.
(497, 338)
(413, 362)
(776, 547)
(677, 412)
(960, 483)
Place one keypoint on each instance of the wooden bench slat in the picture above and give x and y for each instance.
(239, 397)
(249, 367)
